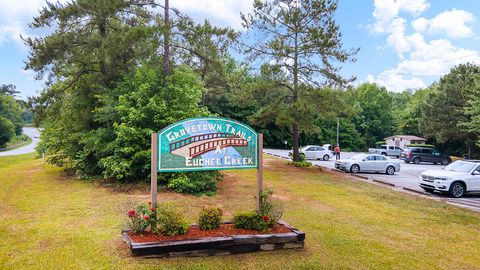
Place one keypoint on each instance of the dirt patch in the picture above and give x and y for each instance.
(195, 233)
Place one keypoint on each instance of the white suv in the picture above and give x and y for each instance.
(455, 179)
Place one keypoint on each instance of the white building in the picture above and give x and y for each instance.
(403, 140)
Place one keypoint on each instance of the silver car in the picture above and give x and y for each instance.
(368, 163)
(315, 152)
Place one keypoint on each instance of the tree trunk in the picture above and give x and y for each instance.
(296, 153)
(166, 43)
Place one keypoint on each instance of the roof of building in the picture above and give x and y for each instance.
(407, 137)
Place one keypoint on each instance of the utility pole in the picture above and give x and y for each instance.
(338, 127)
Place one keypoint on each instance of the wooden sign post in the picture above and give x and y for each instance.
(260, 171)
(153, 171)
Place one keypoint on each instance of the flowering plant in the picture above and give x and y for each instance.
(141, 217)
(271, 208)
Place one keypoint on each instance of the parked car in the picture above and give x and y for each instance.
(456, 179)
(424, 154)
(386, 150)
(368, 163)
(315, 152)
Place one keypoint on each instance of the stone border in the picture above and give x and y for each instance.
(211, 246)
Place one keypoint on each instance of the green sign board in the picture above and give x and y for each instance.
(209, 143)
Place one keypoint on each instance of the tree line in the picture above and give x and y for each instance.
(14, 114)
(119, 70)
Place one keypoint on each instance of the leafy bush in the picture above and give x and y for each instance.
(144, 103)
(210, 218)
(170, 220)
(271, 207)
(198, 183)
(7, 131)
(140, 217)
(301, 164)
(250, 221)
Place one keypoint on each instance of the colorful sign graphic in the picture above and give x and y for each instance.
(209, 143)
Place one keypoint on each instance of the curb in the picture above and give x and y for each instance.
(336, 170)
(361, 176)
(383, 182)
(416, 191)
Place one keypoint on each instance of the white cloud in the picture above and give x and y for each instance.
(418, 57)
(220, 12)
(14, 16)
(433, 58)
(395, 82)
(453, 24)
(11, 31)
(387, 10)
(420, 24)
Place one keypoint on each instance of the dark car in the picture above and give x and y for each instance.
(424, 154)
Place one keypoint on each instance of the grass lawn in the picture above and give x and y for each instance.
(49, 221)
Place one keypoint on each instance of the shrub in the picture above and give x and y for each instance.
(140, 217)
(271, 207)
(302, 164)
(198, 183)
(7, 131)
(250, 221)
(170, 220)
(210, 218)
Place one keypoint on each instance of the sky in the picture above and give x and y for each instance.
(404, 44)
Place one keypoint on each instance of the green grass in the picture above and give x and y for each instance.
(50, 221)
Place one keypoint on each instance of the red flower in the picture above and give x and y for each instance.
(265, 218)
(131, 213)
(146, 218)
(152, 209)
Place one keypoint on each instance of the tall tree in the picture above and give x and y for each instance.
(93, 46)
(443, 114)
(302, 38)
(374, 118)
(8, 89)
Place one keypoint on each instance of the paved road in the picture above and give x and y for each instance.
(406, 178)
(30, 132)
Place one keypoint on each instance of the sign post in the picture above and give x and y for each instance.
(206, 143)
(260, 171)
(153, 171)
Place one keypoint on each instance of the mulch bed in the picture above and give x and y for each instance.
(195, 233)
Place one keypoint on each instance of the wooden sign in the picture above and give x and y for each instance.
(200, 144)
(207, 143)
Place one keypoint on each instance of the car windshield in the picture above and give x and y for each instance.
(358, 157)
(460, 167)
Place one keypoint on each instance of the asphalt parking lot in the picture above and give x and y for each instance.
(405, 180)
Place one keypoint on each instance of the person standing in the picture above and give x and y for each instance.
(337, 152)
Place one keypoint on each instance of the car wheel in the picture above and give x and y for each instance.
(445, 161)
(385, 154)
(416, 160)
(390, 170)
(457, 190)
(326, 157)
(355, 168)
(429, 190)
(435, 163)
